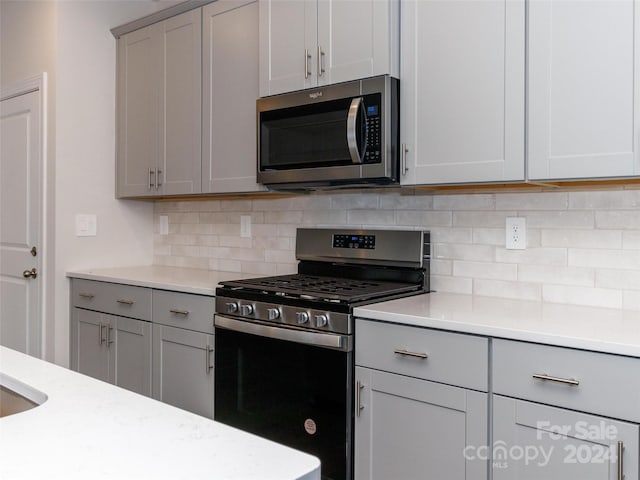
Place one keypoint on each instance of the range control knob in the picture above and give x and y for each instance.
(273, 313)
(246, 310)
(321, 320)
(232, 307)
(302, 317)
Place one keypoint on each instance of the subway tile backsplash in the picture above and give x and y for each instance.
(583, 247)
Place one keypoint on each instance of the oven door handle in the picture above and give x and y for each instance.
(356, 153)
(317, 339)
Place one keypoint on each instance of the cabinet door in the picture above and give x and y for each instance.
(230, 90)
(180, 47)
(89, 354)
(357, 39)
(462, 80)
(129, 345)
(416, 429)
(138, 88)
(288, 32)
(533, 441)
(183, 369)
(583, 89)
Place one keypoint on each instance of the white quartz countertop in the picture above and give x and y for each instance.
(189, 280)
(589, 328)
(88, 429)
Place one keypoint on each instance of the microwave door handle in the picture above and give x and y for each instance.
(352, 139)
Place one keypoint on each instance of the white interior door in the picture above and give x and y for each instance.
(21, 161)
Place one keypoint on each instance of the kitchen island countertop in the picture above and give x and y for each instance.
(590, 328)
(88, 429)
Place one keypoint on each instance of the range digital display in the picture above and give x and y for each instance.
(354, 241)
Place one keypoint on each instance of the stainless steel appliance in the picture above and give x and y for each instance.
(341, 134)
(284, 345)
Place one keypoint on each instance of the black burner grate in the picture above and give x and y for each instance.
(323, 288)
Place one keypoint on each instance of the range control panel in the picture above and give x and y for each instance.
(354, 241)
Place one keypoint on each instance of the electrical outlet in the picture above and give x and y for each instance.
(516, 233)
(245, 226)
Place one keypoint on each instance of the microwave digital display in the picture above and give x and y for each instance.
(372, 110)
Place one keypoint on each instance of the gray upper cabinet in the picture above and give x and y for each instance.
(462, 84)
(230, 90)
(583, 88)
(306, 43)
(159, 108)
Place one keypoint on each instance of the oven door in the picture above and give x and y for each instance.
(291, 386)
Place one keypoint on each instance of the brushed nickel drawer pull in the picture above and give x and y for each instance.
(548, 378)
(407, 353)
(125, 302)
(359, 406)
(86, 295)
(179, 312)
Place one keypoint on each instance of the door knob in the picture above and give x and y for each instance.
(33, 273)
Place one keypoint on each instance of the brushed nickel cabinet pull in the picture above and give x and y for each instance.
(179, 312)
(548, 378)
(158, 182)
(100, 329)
(307, 57)
(620, 464)
(320, 61)
(407, 353)
(208, 359)
(404, 152)
(151, 173)
(109, 341)
(86, 295)
(359, 406)
(125, 302)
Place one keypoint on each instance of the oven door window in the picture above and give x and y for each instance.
(294, 394)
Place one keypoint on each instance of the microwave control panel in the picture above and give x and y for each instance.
(373, 152)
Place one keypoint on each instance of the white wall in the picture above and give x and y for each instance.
(27, 49)
(71, 41)
(85, 151)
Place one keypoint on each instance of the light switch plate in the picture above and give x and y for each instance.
(164, 225)
(245, 226)
(86, 225)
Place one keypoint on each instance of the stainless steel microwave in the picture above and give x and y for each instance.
(336, 135)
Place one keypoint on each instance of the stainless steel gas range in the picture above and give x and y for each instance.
(284, 356)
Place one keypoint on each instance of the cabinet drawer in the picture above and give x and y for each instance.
(113, 298)
(183, 310)
(451, 358)
(586, 381)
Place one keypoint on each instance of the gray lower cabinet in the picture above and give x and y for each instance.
(534, 441)
(183, 369)
(561, 413)
(408, 428)
(113, 349)
(183, 350)
(421, 403)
